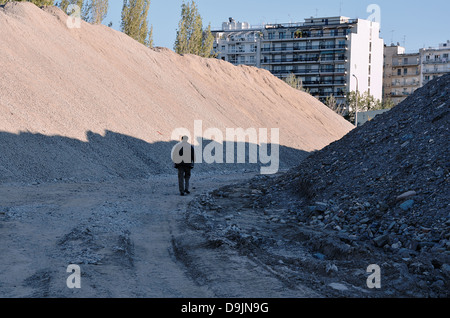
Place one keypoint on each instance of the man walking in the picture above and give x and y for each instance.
(184, 157)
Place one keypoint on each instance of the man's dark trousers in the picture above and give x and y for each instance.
(184, 174)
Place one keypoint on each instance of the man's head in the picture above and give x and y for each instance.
(185, 138)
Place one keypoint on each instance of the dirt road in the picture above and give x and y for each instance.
(125, 236)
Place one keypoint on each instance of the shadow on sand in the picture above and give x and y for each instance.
(28, 157)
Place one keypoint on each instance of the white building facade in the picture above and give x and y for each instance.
(435, 62)
(331, 56)
(406, 72)
(237, 43)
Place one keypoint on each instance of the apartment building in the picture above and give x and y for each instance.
(435, 62)
(331, 56)
(238, 43)
(406, 72)
(402, 73)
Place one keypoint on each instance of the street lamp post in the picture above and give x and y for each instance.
(356, 102)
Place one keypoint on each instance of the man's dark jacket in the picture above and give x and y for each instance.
(186, 164)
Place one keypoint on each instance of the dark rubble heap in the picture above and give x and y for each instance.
(378, 196)
(386, 181)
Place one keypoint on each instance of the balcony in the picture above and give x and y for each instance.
(403, 63)
(241, 50)
(335, 71)
(305, 37)
(324, 83)
(304, 48)
(437, 71)
(290, 60)
(409, 74)
(309, 25)
(400, 94)
(323, 94)
(243, 62)
(408, 84)
(436, 61)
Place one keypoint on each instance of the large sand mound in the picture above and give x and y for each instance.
(90, 102)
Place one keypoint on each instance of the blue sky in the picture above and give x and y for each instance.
(413, 23)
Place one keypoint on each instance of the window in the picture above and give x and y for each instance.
(369, 69)
(368, 81)
(370, 46)
(370, 58)
(405, 71)
(271, 35)
(282, 35)
(399, 72)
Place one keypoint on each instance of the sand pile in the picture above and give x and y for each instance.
(91, 103)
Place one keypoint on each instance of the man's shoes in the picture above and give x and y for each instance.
(186, 191)
(181, 193)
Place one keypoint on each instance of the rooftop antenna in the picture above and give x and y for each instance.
(392, 36)
(340, 8)
(404, 41)
(317, 12)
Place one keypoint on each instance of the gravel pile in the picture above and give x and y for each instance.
(387, 181)
(379, 195)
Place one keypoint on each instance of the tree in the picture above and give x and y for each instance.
(292, 81)
(96, 11)
(92, 11)
(361, 103)
(64, 6)
(208, 44)
(134, 20)
(150, 37)
(295, 82)
(387, 104)
(332, 103)
(191, 39)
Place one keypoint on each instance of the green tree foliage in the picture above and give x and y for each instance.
(292, 81)
(150, 37)
(39, 3)
(363, 103)
(92, 11)
(134, 20)
(64, 6)
(191, 39)
(295, 82)
(339, 108)
(96, 11)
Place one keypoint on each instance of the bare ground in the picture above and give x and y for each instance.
(130, 239)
